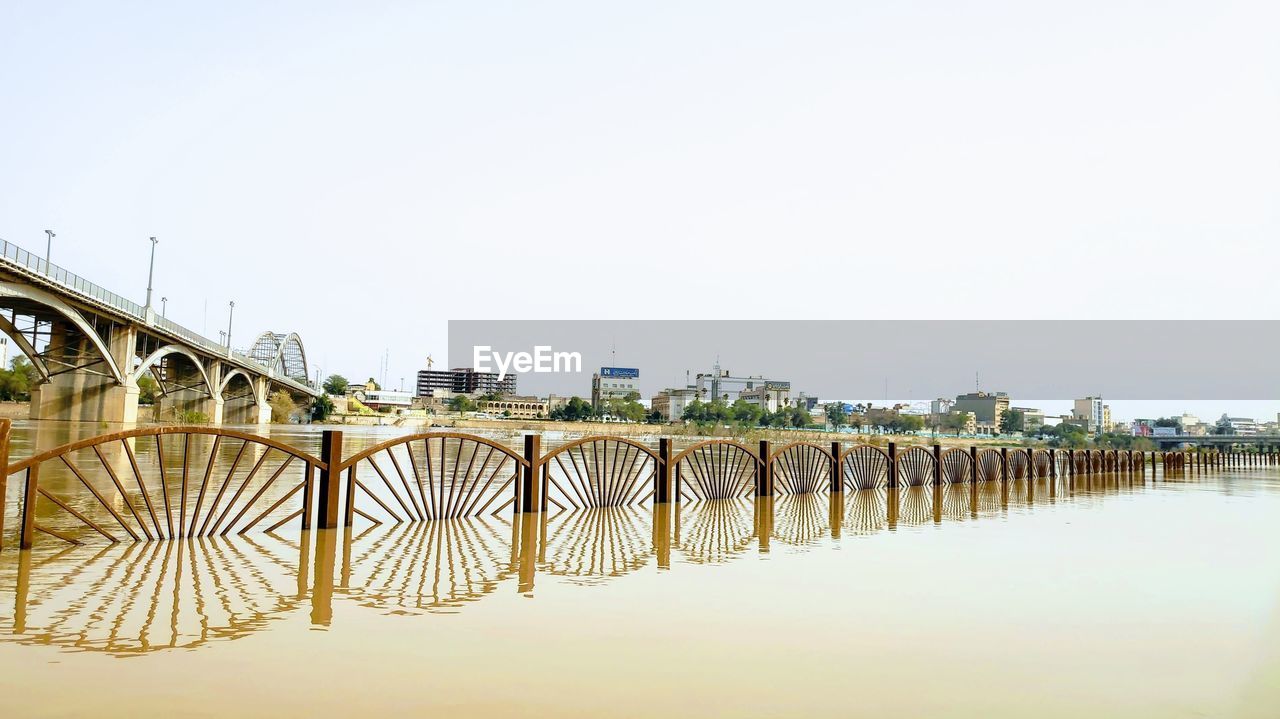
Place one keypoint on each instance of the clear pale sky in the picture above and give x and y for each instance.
(363, 172)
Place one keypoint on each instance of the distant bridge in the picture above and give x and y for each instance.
(91, 346)
(1216, 440)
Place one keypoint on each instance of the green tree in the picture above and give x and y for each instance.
(1011, 421)
(746, 414)
(147, 389)
(625, 409)
(282, 407)
(954, 422)
(836, 416)
(321, 408)
(575, 410)
(461, 403)
(336, 385)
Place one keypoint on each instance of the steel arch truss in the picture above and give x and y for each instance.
(281, 354)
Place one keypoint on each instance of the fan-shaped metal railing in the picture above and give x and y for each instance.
(990, 465)
(599, 472)
(1019, 464)
(715, 469)
(1042, 463)
(436, 475)
(163, 483)
(957, 466)
(864, 467)
(171, 482)
(915, 467)
(801, 468)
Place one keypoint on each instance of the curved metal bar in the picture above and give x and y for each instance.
(157, 431)
(370, 451)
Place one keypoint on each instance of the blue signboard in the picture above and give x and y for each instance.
(623, 372)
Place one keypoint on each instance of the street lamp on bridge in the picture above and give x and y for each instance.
(48, 248)
(164, 305)
(151, 271)
(231, 313)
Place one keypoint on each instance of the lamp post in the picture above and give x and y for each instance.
(230, 315)
(151, 271)
(49, 247)
(164, 305)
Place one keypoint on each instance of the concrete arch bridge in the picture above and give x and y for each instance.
(90, 347)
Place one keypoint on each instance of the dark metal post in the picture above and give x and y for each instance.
(330, 479)
(973, 464)
(6, 426)
(937, 464)
(837, 479)
(1031, 463)
(893, 465)
(662, 473)
(530, 481)
(1053, 463)
(764, 471)
(1004, 464)
(29, 499)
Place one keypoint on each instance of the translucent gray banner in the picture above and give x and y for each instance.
(1122, 359)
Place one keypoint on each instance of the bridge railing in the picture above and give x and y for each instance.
(70, 280)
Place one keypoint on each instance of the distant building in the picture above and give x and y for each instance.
(1090, 411)
(613, 383)
(1241, 426)
(380, 398)
(670, 403)
(720, 385)
(940, 407)
(987, 407)
(805, 401)
(464, 380)
(770, 395)
(1032, 419)
(518, 407)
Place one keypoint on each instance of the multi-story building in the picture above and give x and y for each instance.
(940, 407)
(720, 385)
(670, 402)
(769, 395)
(987, 407)
(1242, 426)
(464, 380)
(614, 383)
(1090, 411)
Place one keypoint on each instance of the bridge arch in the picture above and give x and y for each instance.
(165, 351)
(38, 296)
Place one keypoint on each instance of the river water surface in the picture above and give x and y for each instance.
(1117, 595)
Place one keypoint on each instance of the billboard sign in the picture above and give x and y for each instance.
(620, 372)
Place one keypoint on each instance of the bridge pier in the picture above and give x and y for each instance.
(86, 392)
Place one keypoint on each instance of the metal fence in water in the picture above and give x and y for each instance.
(196, 481)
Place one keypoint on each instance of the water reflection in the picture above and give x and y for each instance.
(124, 600)
(139, 598)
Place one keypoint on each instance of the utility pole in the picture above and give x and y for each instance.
(48, 248)
(151, 271)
